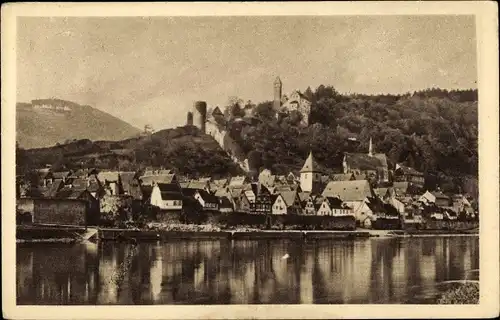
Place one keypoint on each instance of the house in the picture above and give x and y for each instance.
(244, 205)
(355, 194)
(309, 205)
(225, 193)
(62, 175)
(450, 214)
(369, 164)
(291, 178)
(67, 207)
(250, 195)
(332, 206)
(45, 176)
(225, 204)
(427, 198)
(264, 177)
(437, 215)
(217, 184)
(390, 197)
(263, 201)
(279, 205)
(110, 180)
(131, 186)
(462, 204)
(166, 196)
(405, 188)
(53, 189)
(238, 181)
(442, 200)
(292, 202)
(208, 201)
(407, 174)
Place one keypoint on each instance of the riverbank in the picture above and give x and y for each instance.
(54, 233)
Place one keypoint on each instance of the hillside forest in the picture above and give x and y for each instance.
(435, 131)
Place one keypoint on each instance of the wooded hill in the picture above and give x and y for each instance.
(435, 131)
(184, 149)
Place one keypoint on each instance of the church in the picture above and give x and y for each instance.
(295, 102)
(367, 164)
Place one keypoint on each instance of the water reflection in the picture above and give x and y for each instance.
(391, 270)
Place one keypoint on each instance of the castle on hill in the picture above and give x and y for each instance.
(213, 123)
(295, 102)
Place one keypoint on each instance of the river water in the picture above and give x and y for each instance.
(361, 271)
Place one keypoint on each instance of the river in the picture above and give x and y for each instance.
(361, 271)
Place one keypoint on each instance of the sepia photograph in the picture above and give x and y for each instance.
(332, 158)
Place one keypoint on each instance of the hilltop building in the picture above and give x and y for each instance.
(295, 102)
(214, 125)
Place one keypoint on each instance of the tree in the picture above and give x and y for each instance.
(115, 209)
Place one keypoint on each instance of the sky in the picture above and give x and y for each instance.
(150, 70)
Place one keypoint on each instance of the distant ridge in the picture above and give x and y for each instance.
(46, 122)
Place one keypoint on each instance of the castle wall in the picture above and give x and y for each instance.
(228, 144)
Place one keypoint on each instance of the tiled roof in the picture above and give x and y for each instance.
(170, 191)
(169, 187)
(238, 180)
(79, 183)
(197, 185)
(54, 188)
(188, 192)
(150, 180)
(303, 196)
(109, 176)
(334, 202)
(61, 174)
(207, 197)
(380, 191)
(69, 193)
(440, 195)
(289, 197)
(131, 185)
(341, 177)
(409, 170)
(356, 190)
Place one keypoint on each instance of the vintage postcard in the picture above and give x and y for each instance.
(250, 160)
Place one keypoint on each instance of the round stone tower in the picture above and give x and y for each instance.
(200, 114)
(277, 93)
(189, 121)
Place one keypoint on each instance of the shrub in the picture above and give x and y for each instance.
(465, 294)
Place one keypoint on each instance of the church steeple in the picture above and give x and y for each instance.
(277, 93)
(310, 175)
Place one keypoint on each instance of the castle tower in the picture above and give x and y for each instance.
(310, 175)
(200, 115)
(370, 148)
(277, 93)
(189, 121)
